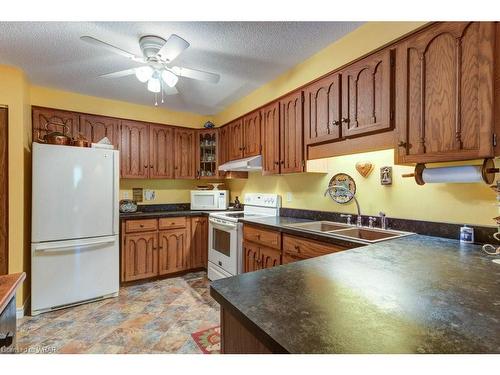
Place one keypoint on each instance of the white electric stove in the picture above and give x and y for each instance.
(225, 237)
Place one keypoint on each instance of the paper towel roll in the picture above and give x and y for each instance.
(462, 174)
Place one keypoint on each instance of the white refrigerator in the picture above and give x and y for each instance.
(74, 233)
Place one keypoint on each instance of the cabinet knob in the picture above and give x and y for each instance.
(345, 120)
(151, 166)
(277, 162)
(141, 225)
(402, 144)
(335, 122)
(145, 167)
(297, 247)
(282, 162)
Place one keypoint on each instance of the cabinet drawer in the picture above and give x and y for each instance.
(173, 222)
(265, 237)
(304, 248)
(140, 225)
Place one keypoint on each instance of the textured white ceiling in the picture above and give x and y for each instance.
(245, 54)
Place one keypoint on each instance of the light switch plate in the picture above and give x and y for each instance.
(288, 196)
(125, 195)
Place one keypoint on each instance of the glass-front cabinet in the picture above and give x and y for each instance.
(207, 154)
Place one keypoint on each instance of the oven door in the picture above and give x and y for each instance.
(223, 245)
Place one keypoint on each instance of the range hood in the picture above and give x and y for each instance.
(253, 163)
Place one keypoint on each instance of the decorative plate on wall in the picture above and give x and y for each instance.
(340, 195)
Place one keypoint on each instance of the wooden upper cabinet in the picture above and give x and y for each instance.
(185, 153)
(46, 120)
(172, 251)
(270, 127)
(207, 145)
(235, 140)
(222, 148)
(291, 129)
(161, 151)
(94, 128)
(251, 134)
(139, 256)
(445, 93)
(322, 110)
(134, 149)
(367, 94)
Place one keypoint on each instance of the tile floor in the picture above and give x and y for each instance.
(154, 317)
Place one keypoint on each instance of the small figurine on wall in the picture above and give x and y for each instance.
(386, 176)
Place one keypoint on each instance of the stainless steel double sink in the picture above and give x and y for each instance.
(364, 234)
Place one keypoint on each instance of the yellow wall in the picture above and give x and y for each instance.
(166, 191)
(359, 42)
(455, 203)
(14, 92)
(48, 97)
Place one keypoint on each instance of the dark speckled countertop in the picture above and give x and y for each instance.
(415, 294)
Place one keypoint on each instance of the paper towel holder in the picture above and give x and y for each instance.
(488, 171)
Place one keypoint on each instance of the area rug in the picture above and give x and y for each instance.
(208, 340)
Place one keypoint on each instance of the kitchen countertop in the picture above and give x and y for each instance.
(415, 294)
(8, 287)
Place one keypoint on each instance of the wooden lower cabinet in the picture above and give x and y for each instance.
(265, 248)
(139, 256)
(173, 251)
(198, 256)
(269, 258)
(258, 257)
(165, 246)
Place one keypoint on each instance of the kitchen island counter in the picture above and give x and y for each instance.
(415, 294)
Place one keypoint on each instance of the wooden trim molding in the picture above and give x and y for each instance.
(4, 196)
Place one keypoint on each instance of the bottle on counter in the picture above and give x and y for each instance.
(237, 204)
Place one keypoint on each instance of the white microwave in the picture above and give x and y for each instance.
(209, 199)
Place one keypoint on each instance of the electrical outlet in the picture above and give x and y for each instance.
(149, 195)
(125, 195)
(288, 196)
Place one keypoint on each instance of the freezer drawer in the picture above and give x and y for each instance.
(71, 272)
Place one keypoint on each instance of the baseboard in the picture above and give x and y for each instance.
(20, 311)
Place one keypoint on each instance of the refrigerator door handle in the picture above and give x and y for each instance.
(51, 247)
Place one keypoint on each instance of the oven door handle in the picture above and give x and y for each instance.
(217, 224)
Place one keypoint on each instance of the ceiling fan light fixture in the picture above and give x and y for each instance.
(169, 78)
(154, 85)
(144, 73)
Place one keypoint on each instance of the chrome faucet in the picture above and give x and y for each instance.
(383, 220)
(328, 191)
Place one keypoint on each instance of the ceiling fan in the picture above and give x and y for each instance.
(157, 57)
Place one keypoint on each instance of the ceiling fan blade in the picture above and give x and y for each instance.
(167, 90)
(172, 48)
(109, 47)
(200, 75)
(121, 73)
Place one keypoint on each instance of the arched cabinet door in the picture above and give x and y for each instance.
(322, 110)
(251, 132)
(270, 116)
(161, 151)
(172, 251)
(94, 128)
(368, 95)
(139, 256)
(46, 120)
(134, 149)
(445, 93)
